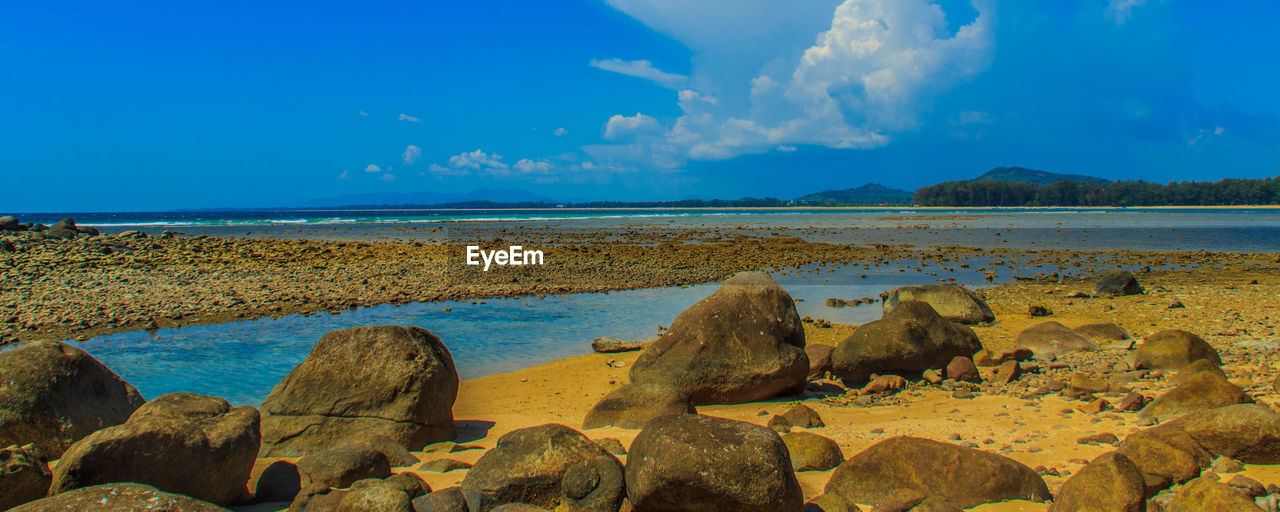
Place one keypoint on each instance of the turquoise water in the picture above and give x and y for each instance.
(242, 361)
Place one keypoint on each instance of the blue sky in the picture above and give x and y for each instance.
(160, 105)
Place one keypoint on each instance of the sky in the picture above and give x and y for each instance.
(129, 106)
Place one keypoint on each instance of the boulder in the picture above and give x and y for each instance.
(1103, 332)
(819, 359)
(812, 452)
(24, 475)
(743, 343)
(281, 481)
(1203, 494)
(394, 382)
(830, 503)
(908, 340)
(1110, 483)
(607, 345)
(444, 500)
(801, 415)
(184, 443)
(954, 302)
(1116, 283)
(1165, 457)
(698, 463)
(66, 223)
(593, 485)
(375, 499)
(964, 477)
(1173, 349)
(119, 497)
(962, 369)
(53, 394)
(1249, 433)
(529, 466)
(1047, 339)
(8, 223)
(1196, 392)
(1008, 371)
(396, 453)
(633, 405)
(341, 466)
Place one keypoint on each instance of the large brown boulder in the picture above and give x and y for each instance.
(342, 466)
(119, 497)
(394, 382)
(1103, 332)
(1165, 457)
(1195, 392)
(24, 475)
(812, 452)
(1110, 483)
(184, 443)
(529, 465)
(1205, 494)
(1116, 283)
(53, 394)
(1248, 433)
(743, 343)
(908, 340)
(954, 302)
(1173, 349)
(819, 359)
(962, 476)
(699, 463)
(633, 405)
(1050, 338)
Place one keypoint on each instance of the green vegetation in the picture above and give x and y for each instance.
(869, 194)
(1119, 193)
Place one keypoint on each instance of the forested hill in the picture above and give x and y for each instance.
(985, 192)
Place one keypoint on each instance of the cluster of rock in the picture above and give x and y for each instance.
(64, 229)
(365, 397)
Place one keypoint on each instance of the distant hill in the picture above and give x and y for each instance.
(1009, 174)
(871, 193)
(391, 199)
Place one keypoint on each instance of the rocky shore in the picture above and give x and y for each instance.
(73, 282)
(1124, 392)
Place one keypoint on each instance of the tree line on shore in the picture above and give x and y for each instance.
(1117, 193)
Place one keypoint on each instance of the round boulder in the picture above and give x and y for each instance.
(52, 394)
(1249, 433)
(119, 497)
(742, 343)
(184, 443)
(698, 463)
(1110, 482)
(908, 340)
(394, 382)
(1116, 283)
(1049, 338)
(342, 466)
(633, 405)
(962, 476)
(1203, 494)
(1195, 392)
(812, 452)
(24, 475)
(529, 466)
(954, 302)
(1103, 332)
(1173, 349)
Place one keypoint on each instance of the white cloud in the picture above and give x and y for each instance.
(388, 177)
(346, 175)
(869, 73)
(409, 118)
(477, 160)
(620, 126)
(642, 69)
(528, 166)
(364, 114)
(1121, 10)
(446, 171)
(560, 132)
(372, 168)
(412, 154)
(787, 149)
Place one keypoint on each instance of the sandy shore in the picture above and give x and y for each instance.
(1042, 432)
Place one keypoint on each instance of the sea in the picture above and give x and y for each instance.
(243, 360)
